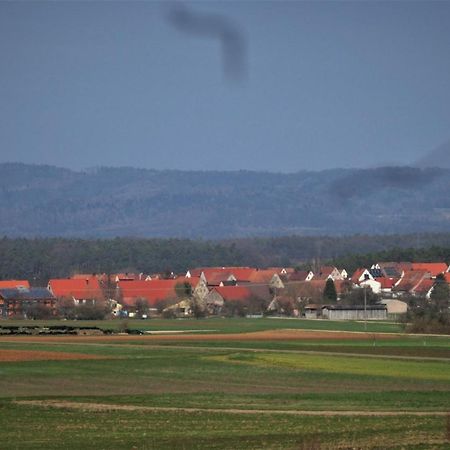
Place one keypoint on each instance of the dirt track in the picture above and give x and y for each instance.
(274, 335)
(37, 355)
(107, 407)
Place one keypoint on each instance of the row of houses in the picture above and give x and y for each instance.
(277, 289)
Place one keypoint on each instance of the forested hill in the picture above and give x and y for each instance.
(109, 202)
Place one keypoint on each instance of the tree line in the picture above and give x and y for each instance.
(40, 259)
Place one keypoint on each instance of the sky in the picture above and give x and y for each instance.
(271, 86)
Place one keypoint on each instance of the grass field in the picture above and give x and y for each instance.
(270, 389)
(236, 325)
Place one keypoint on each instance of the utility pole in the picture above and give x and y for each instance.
(365, 309)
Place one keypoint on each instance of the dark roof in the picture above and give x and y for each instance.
(376, 273)
(37, 293)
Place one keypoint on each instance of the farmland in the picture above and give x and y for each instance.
(234, 383)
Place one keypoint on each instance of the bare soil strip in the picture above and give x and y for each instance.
(38, 355)
(106, 407)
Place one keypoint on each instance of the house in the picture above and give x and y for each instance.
(300, 275)
(361, 274)
(181, 309)
(284, 305)
(374, 285)
(155, 292)
(305, 291)
(215, 275)
(266, 277)
(410, 282)
(79, 290)
(219, 296)
(229, 293)
(389, 269)
(19, 302)
(386, 285)
(358, 312)
(212, 276)
(326, 272)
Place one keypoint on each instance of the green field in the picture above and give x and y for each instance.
(145, 393)
(217, 324)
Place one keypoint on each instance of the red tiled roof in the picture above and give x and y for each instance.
(234, 293)
(340, 285)
(11, 284)
(298, 275)
(262, 276)
(80, 289)
(387, 283)
(433, 268)
(153, 291)
(411, 279)
(424, 286)
(324, 272)
(215, 278)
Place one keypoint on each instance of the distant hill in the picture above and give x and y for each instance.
(108, 202)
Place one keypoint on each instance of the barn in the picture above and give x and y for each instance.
(354, 312)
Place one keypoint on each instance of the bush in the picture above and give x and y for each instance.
(38, 311)
(91, 312)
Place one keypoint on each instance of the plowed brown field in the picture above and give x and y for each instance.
(271, 335)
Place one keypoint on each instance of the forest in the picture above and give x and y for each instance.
(39, 259)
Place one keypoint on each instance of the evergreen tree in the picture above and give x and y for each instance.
(329, 293)
(440, 295)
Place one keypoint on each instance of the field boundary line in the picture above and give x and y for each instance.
(112, 407)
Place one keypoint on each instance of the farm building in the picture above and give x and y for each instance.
(312, 311)
(395, 306)
(18, 302)
(78, 290)
(356, 312)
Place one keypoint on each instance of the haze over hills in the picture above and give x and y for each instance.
(108, 202)
(438, 157)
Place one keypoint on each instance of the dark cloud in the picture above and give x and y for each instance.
(212, 26)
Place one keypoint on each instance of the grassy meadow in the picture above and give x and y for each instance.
(371, 391)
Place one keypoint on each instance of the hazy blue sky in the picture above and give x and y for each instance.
(259, 85)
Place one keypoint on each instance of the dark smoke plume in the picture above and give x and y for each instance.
(213, 26)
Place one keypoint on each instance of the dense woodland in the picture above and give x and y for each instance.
(109, 202)
(40, 259)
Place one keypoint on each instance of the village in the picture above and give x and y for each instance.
(382, 291)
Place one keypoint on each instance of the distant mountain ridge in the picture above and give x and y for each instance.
(106, 202)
